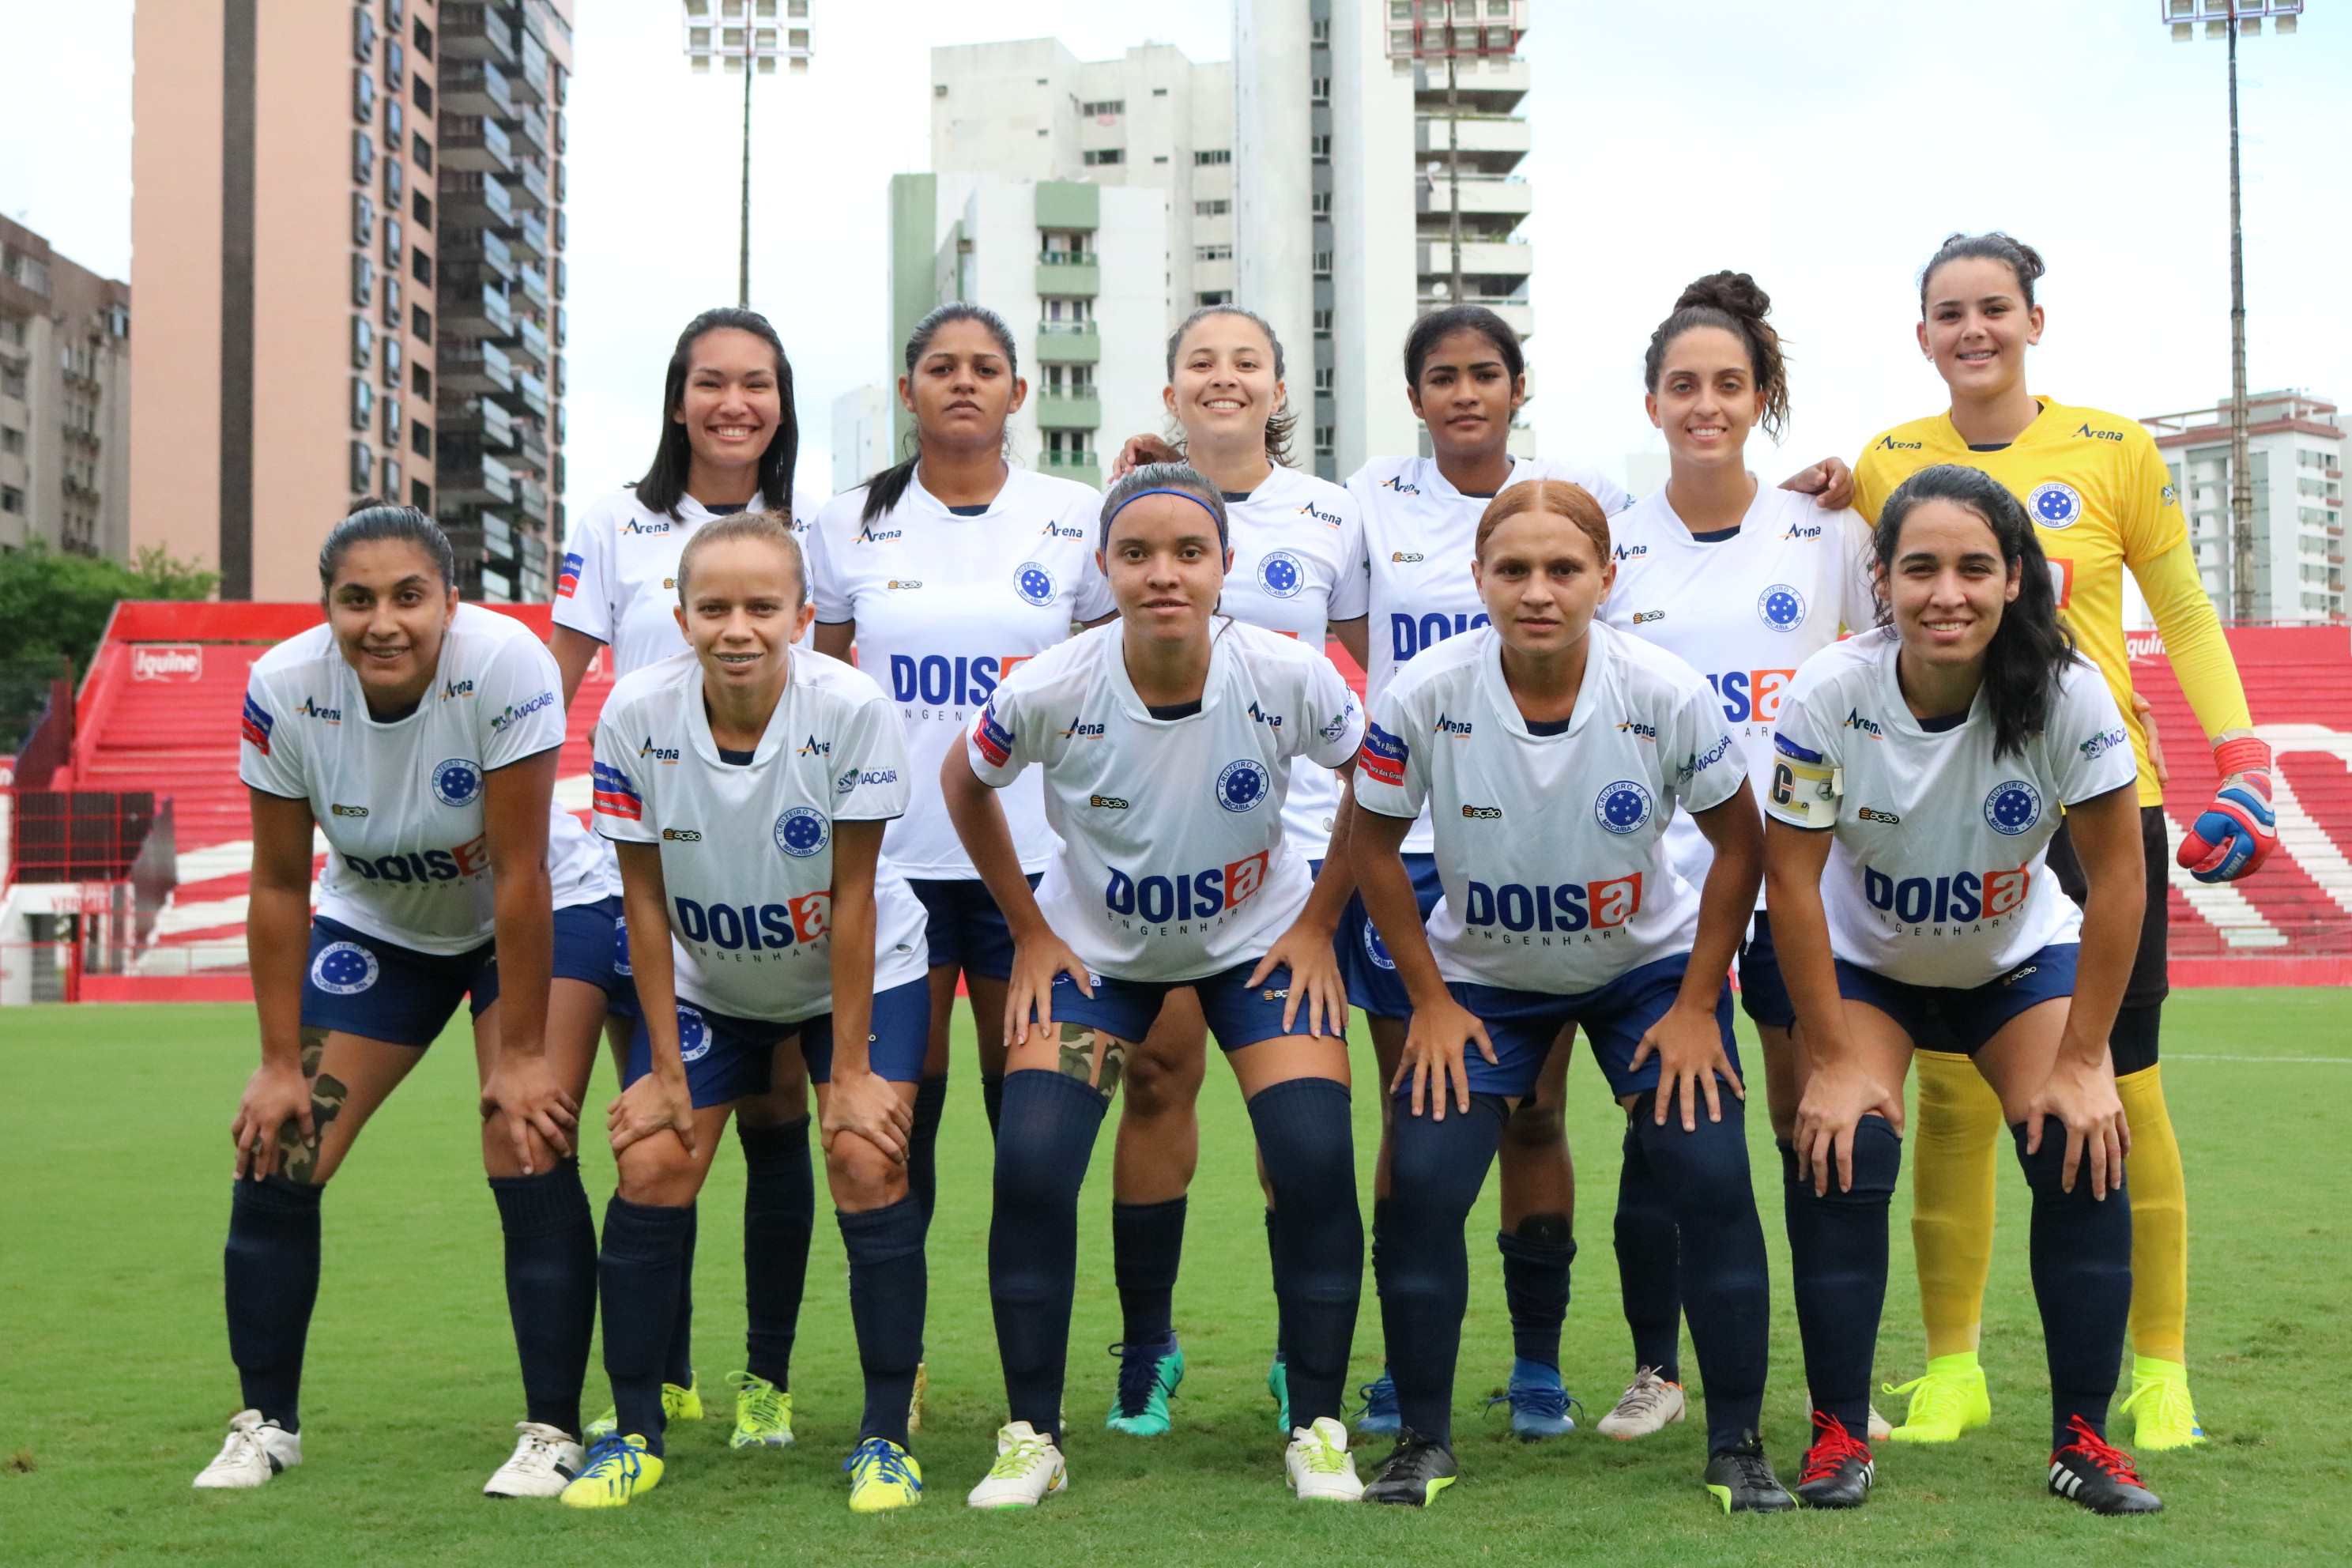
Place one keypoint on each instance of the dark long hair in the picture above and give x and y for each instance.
(373, 520)
(665, 482)
(885, 490)
(2014, 254)
(2030, 649)
(1278, 423)
(1732, 302)
(1438, 325)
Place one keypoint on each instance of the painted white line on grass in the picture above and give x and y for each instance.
(2307, 1061)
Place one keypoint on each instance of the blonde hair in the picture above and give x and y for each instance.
(1557, 497)
(769, 527)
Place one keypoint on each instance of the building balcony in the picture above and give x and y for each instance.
(1494, 85)
(1084, 466)
(1072, 273)
(475, 87)
(1492, 146)
(531, 282)
(472, 200)
(472, 307)
(526, 131)
(1070, 411)
(530, 75)
(530, 498)
(526, 188)
(479, 368)
(526, 236)
(475, 32)
(529, 395)
(473, 477)
(1068, 342)
(1480, 259)
(530, 349)
(1481, 193)
(484, 251)
(470, 142)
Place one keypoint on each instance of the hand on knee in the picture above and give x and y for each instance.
(658, 1172)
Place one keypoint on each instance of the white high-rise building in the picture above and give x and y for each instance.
(861, 434)
(2295, 448)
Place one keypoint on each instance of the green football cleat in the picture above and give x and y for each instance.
(1277, 1382)
(678, 1405)
(619, 1468)
(2163, 1416)
(1948, 1399)
(764, 1413)
(1147, 1378)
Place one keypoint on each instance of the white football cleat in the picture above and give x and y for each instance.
(1880, 1430)
(1027, 1471)
(1649, 1404)
(1319, 1465)
(544, 1462)
(256, 1451)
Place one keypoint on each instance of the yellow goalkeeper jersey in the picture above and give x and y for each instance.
(2102, 501)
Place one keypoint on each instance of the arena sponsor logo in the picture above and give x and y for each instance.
(1872, 814)
(1889, 443)
(941, 680)
(1630, 551)
(1406, 557)
(162, 663)
(309, 709)
(1271, 720)
(680, 835)
(648, 526)
(616, 794)
(1410, 634)
(753, 928)
(1457, 727)
(1054, 530)
(812, 747)
(1644, 617)
(340, 810)
(1396, 482)
(470, 859)
(658, 753)
(1751, 695)
(1080, 730)
(1107, 803)
(1483, 812)
(2087, 433)
(1328, 519)
(1635, 727)
(1382, 756)
(1804, 531)
(515, 715)
(458, 689)
(869, 535)
(1184, 896)
(1960, 898)
(1562, 908)
(1854, 720)
(2099, 745)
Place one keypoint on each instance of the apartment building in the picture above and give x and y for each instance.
(65, 386)
(2295, 450)
(349, 218)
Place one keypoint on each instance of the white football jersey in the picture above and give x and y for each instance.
(1293, 539)
(947, 607)
(1744, 611)
(1413, 582)
(1550, 848)
(1174, 863)
(1935, 877)
(747, 851)
(619, 579)
(401, 804)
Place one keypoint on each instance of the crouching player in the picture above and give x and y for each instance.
(1165, 741)
(1551, 752)
(1925, 766)
(746, 783)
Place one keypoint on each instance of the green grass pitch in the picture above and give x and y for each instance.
(115, 1380)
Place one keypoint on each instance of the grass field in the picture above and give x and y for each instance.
(115, 1380)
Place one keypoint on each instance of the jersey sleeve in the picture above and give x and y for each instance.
(1003, 740)
(1389, 778)
(1873, 482)
(1805, 757)
(1334, 729)
(1091, 600)
(827, 591)
(583, 587)
(1857, 583)
(1351, 594)
(2091, 750)
(873, 784)
(1704, 766)
(619, 804)
(2193, 639)
(269, 754)
(520, 710)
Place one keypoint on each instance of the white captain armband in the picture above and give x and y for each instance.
(1807, 782)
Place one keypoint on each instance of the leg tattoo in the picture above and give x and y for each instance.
(327, 1096)
(1114, 1064)
(1077, 1052)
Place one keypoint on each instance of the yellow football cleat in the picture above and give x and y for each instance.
(882, 1475)
(619, 1470)
(678, 1405)
(2163, 1416)
(1951, 1398)
(764, 1413)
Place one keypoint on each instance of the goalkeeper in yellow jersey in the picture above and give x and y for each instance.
(2102, 502)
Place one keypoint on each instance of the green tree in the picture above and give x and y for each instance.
(53, 610)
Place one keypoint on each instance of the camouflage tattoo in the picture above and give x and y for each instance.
(327, 1094)
(1077, 1057)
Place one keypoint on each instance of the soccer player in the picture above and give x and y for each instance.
(2102, 502)
(746, 783)
(730, 440)
(1166, 741)
(419, 736)
(1745, 583)
(1548, 753)
(1293, 536)
(1920, 771)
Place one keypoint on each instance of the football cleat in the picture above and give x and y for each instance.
(1277, 1382)
(1319, 1465)
(256, 1451)
(1649, 1404)
(764, 1413)
(2096, 1475)
(1538, 1403)
(1148, 1376)
(1740, 1479)
(678, 1405)
(1414, 1472)
(915, 1400)
(882, 1475)
(1838, 1468)
(1029, 1469)
(543, 1463)
(2163, 1416)
(1949, 1398)
(1880, 1427)
(619, 1470)
(1380, 1417)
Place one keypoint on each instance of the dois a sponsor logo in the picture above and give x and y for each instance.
(470, 859)
(1751, 695)
(1185, 895)
(942, 680)
(1562, 908)
(1959, 897)
(1410, 633)
(754, 927)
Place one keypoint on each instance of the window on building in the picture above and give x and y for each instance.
(1319, 203)
(1319, 89)
(11, 499)
(420, 266)
(1325, 378)
(363, 343)
(12, 441)
(1326, 438)
(1159, 92)
(422, 151)
(1069, 312)
(1105, 108)
(420, 321)
(1214, 297)
(1217, 208)
(1213, 253)
(421, 209)
(1205, 156)
(1323, 322)
(1322, 264)
(1318, 146)
(363, 402)
(12, 382)
(392, 362)
(362, 281)
(420, 379)
(1097, 156)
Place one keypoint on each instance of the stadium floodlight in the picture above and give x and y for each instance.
(1423, 31)
(2230, 20)
(747, 37)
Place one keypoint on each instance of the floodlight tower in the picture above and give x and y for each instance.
(745, 35)
(2230, 20)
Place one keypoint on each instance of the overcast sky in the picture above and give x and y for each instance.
(1825, 146)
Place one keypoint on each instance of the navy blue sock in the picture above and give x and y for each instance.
(1043, 1145)
(271, 1271)
(1536, 1262)
(551, 1247)
(992, 1099)
(1837, 1258)
(1307, 1137)
(923, 1143)
(644, 1249)
(677, 1358)
(2082, 1281)
(888, 1285)
(1727, 1290)
(778, 1213)
(1435, 1169)
(1649, 1266)
(1147, 1244)
(1277, 1305)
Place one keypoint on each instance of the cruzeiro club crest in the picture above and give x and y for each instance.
(1034, 584)
(1623, 807)
(2054, 505)
(1242, 785)
(693, 1035)
(344, 969)
(1375, 948)
(1281, 574)
(457, 782)
(801, 831)
(2013, 806)
(1780, 608)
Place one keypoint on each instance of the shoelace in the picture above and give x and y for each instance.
(2170, 1399)
(1414, 1459)
(612, 1458)
(1551, 1404)
(880, 1454)
(1378, 1396)
(1832, 1447)
(1319, 1456)
(1755, 1470)
(1138, 1375)
(1647, 1392)
(244, 1443)
(536, 1448)
(1942, 1403)
(2101, 1453)
(1017, 1460)
(757, 1398)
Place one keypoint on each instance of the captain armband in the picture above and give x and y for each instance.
(1805, 781)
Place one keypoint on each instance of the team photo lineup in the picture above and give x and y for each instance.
(1853, 750)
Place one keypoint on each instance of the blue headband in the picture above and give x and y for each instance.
(1188, 495)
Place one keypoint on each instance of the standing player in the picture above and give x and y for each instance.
(2102, 501)
(730, 440)
(1745, 583)
(1166, 743)
(1550, 753)
(420, 737)
(1920, 772)
(746, 784)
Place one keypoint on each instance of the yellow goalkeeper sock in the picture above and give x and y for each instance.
(1955, 1146)
(2160, 1204)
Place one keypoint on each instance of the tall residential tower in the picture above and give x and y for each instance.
(65, 402)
